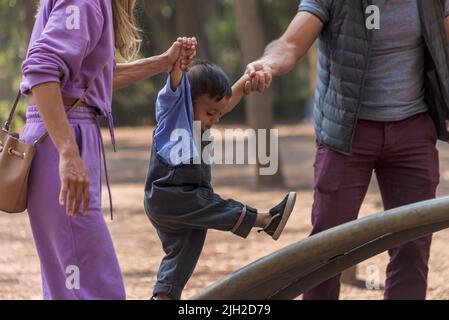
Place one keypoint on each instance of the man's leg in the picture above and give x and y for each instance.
(341, 183)
(408, 172)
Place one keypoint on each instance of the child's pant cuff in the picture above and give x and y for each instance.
(246, 222)
(169, 290)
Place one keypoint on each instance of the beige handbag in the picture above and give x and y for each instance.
(15, 162)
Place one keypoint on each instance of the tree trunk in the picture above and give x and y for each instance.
(30, 12)
(259, 110)
(159, 22)
(195, 25)
(313, 60)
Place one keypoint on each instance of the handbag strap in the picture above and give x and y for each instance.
(7, 125)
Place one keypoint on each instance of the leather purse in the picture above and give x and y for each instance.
(16, 158)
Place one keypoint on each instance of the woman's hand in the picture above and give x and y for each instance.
(127, 74)
(186, 46)
(188, 51)
(73, 175)
(74, 183)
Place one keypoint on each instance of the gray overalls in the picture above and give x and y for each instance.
(182, 206)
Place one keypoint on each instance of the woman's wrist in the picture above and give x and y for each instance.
(69, 151)
(165, 62)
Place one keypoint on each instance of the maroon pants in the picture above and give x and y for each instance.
(404, 156)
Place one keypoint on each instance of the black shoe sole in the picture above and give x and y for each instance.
(291, 200)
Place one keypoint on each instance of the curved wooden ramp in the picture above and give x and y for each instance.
(286, 274)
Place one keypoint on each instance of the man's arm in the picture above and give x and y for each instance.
(281, 55)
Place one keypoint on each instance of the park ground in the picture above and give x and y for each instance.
(139, 250)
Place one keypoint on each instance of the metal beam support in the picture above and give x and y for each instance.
(284, 274)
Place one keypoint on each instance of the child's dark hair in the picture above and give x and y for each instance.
(210, 79)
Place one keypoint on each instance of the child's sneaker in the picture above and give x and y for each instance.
(280, 215)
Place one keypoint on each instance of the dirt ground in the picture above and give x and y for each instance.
(138, 247)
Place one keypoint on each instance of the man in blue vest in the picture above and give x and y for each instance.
(382, 103)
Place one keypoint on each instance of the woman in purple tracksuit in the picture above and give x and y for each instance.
(73, 43)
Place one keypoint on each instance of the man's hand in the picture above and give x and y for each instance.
(261, 77)
(281, 55)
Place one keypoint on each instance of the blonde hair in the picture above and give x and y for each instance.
(127, 34)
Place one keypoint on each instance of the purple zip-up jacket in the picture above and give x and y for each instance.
(73, 42)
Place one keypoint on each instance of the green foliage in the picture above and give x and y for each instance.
(135, 106)
(159, 20)
(19, 118)
(14, 35)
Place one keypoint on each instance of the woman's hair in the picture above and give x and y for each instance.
(127, 34)
(210, 79)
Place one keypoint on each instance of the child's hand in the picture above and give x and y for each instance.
(183, 51)
(188, 52)
(247, 87)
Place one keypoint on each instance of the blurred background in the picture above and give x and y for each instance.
(231, 33)
(227, 36)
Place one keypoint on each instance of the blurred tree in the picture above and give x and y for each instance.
(30, 8)
(313, 60)
(259, 108)
(162, 21)
(156, 20)
(16, 23)
(195, 26)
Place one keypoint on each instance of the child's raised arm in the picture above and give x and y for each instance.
(188, 44)
(176, 75)
(238, 92)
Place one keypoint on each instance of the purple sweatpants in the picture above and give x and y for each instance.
(404, 156)
(77, 256)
